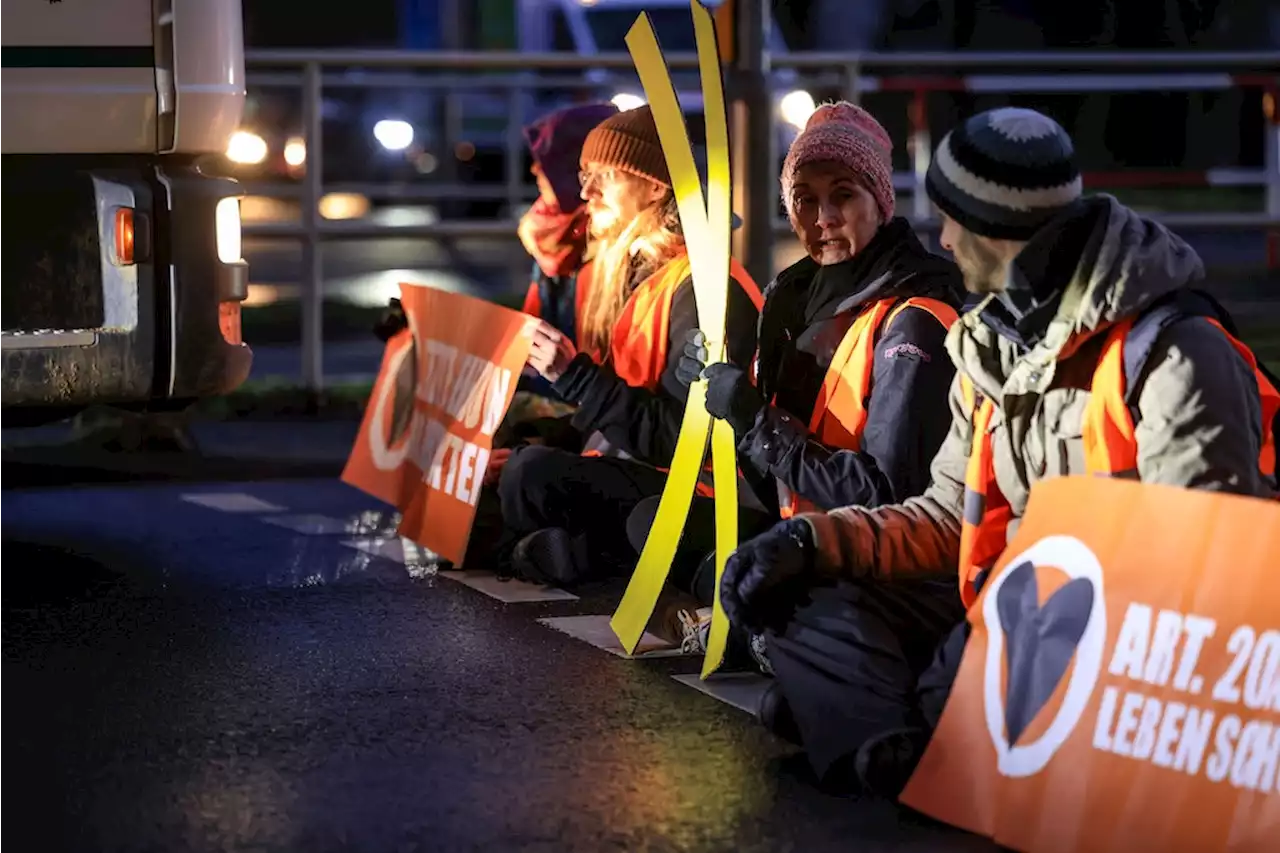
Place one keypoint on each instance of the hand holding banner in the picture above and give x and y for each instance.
(444, 388)
(1120, 691)
(706, 224)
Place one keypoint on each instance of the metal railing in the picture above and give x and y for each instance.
(1139, 72)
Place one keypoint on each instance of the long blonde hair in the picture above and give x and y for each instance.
(653, 237)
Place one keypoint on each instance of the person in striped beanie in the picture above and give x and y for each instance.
(998, 179)
(1063, 278)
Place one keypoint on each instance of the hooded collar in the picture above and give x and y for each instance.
(895, 264)
(1092, 266)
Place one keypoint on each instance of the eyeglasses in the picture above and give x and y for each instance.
(588, 177)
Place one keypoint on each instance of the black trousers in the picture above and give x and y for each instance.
(589, 496)
(861, 659)
(692, 570)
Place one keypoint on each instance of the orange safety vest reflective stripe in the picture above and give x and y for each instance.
(840, 411)
(640, 335)
(1110, 449)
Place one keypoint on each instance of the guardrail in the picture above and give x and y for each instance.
(1161, 71)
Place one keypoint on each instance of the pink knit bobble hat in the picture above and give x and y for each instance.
(846, 134)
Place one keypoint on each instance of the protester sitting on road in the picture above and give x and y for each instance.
(570, 498)
(850, 401)
(1090, 354)
(554, 230)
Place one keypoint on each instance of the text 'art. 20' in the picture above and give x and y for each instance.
(1226, 739)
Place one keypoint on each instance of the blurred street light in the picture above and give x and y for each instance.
(796, 107)
(626, 101)
(295, 152)
(246, 147)
(344, 206)
(393, 134)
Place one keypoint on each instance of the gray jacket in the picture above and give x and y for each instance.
(1199, 412)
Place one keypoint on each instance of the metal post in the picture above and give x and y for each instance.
(514, 140)
(451, 28)
(752, 135)
(312, 270)
(920, 152)
(852, 89)
(1271, 169)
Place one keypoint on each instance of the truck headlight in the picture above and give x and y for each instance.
(246, 147)
(227, 227)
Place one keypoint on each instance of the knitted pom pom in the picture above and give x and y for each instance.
(843, 112)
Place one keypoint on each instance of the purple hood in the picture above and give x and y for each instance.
(555, 141)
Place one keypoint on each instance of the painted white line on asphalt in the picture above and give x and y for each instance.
(418, 561)
(508, 591)
(411, 554)
(596, 631)
(742, 690)
(231, 502)
(397, 548)
(312, 524)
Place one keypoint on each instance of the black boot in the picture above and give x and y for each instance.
(884, 764)
(551, 556)
(775, 714)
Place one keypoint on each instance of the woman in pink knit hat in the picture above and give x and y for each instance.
(849, 399)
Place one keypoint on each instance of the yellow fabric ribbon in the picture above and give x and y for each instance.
(706, 223)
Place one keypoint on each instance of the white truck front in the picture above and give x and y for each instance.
(122, 268)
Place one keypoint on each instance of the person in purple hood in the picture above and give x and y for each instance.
(554, 229)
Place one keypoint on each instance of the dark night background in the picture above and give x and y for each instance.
(1183, 130)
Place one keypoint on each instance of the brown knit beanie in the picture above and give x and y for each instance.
(628, 142)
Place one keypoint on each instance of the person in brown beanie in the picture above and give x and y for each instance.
(849, 403)
(569, 499)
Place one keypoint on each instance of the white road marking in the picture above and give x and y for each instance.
(596, 631)
(508, 591)
(231, 502)
(397, 548)
(742, 690)
(312, 524)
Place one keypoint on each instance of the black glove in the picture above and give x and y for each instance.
(693, 358)
(731, 397)
(392, 322)
(766, 578)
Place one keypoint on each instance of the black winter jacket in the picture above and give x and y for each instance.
(807, 311)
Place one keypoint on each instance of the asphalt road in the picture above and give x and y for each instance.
(183, 677)
(354, 360)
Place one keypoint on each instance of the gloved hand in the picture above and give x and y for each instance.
(391, 322)
(766, 577)
(731, 396)
(693, 359)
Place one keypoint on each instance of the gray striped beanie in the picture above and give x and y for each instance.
(1004, 173)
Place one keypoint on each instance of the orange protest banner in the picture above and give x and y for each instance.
(444, 388)
(1120, 690)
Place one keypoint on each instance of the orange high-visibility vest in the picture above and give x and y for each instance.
(639, 344)
(840, 411)
(640, 335)
(1110, 449)
(581, 287)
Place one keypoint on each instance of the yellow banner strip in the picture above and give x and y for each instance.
(716, 251)
(706, 224)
